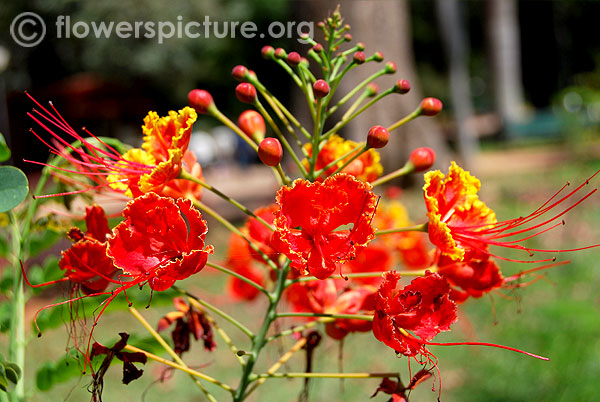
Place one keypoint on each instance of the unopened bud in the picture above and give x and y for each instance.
(348, 37)
(431, 106)
(270, 151)
(318, 48)
(377, 137)
(378, 57)
(280, 53)
(304, 62)
(245, 92)
(320, 88)
(360, 46)
(372, 89)
(267, 52)
(294, 58)
(422, 158)
(239, 73)
(253, 125)
(402, 86)
(359, 57)
(390, 67)
(200, 100)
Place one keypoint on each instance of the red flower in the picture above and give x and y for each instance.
(460, 223)
(160, 241)
(86, 262)
(374, 258)
(331, 296)
(472, 277)
(310, 221)
(423, 307)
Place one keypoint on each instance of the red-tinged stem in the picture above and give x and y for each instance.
(528, 271)
(487, 344)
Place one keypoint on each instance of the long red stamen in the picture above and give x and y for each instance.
(487, 344)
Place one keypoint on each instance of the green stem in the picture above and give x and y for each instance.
(364, 95)
(216, 113)
(235, 274)
(299, 328)
(338, 160)
(186, 176)
(364, 149)
(350, 94)
(17, 327)
(220, 331)
(260, 340)
(217, 311)
(403, 171)
(328, 375)
(335, 316)
(416, 113)
(415, 228)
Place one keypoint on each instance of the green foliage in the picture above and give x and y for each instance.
(4, 150)
(13, 187)
(9, 373)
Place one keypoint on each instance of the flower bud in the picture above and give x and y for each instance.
(431, 106)
(390, 67)
(239, 73)
(267, 52)
(294, 58)
(280, 53)
(320, 88)
(318, 48)
(377, 137)
(304, 62)
(372, 89)
(359, 57)
(200, 100)
(378, 57)
(348, 37)
(245, 92)
(253, 125)
(360, 46)
(270, 151)
(422, 158)
(402, 86)
(320, 24)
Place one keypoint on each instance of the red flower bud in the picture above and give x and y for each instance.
(280, 53)
(378, 56)
(239, 73)
(377, 137)
(348, 37)
(245, 92)
(200, 100)
(372, 89)
(318, 48)
(390, 67)
(402, 86)
(267, 52)
(252, 74)
(360, 46)
(422, 158)
(320, 24)
(431, 106)
(294, 58)
(304, 61)
(320, 88)
(252, 123)
(270, 151)
(359, 57)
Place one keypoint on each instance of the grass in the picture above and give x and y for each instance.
(555, 317)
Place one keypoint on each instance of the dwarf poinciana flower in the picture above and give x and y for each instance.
(86, 262)
(188, 322)
(476, 275)
(332, 296)
(312, 219)
(366, 167)
(160, 241)
(137, 171)
(241, 260)
(423, 307)
(460, 222)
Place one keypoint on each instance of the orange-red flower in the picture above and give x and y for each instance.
(366, 167)
(86, 262)
(313, 219)
(423, 307)
(153, 168)
(332, 296)
(460, 224)
(160, 241)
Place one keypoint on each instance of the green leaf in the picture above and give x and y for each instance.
(13, 187)
(3, 379)
(4, 149)
(43, 378)
(13, 372)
